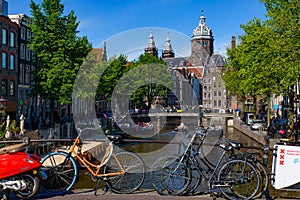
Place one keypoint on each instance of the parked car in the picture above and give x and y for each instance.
(244, 116)
(249, 118)
(257, 124)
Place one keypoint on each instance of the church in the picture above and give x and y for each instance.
(202, 69)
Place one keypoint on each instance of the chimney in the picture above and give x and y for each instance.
(233, 42)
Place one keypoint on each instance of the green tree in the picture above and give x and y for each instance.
(152, 79)
(139, 81)
(115, 69)
(58, 50)
(267, 59)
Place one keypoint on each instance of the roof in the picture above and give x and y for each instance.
(196, 71)
(176, 62)
(217, 60)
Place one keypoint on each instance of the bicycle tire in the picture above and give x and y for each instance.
(156, 173)
(134, 175)
(176, 177)
(61, 170)
(264, 179)
(263, 176)
(238, 179)
(196, 180)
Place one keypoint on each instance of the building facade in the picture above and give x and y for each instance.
(27, 104)
(9, 58)
(202, 70)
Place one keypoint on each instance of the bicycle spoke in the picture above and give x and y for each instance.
(62, 172)
(134, 175)
(238, 180)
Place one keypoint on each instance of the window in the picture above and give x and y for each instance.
(21, 73)
(215, 103)
(219, 93)
(215, 93)
(215, 84)
(27, 74)
(28, 52)
(23, 34)
(12, 88)
(28, 34)
(4, 87)
(219, 103)
(4, 60)
(12, 62)
(4, 36)
(22, 51)
(12, 39)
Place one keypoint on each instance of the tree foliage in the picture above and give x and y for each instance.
(115, 69)
(267, 59)
(58, 51)
(139, 81)
(154, 79)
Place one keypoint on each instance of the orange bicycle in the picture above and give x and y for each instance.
(123, 172)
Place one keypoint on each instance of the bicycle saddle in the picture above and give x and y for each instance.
(236, 145)
(229, 144)
(114, 138)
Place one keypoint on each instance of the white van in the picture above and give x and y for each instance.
(249, 118)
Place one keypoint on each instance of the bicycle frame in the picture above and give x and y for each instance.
(190, 155)
(93, 168)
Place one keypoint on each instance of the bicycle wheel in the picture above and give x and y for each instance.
(196, 180)
(264, 179)
(157, 171)
(238, 179)
(61, 171)
(134, 175)
(176, 177)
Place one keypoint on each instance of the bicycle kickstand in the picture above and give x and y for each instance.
(97, 186)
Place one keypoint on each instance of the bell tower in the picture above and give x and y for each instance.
(202, 43)
(168, 51)
(151, 48)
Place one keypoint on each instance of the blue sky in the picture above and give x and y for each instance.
(113, 20)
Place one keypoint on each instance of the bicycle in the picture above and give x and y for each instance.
(235, 178)
(123, 172)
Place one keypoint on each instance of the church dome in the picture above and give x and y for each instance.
(202, 30)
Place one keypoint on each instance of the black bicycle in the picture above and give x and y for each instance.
(233, 177)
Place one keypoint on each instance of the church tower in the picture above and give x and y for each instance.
(168, 51)
(202, 43)
(151, 48)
